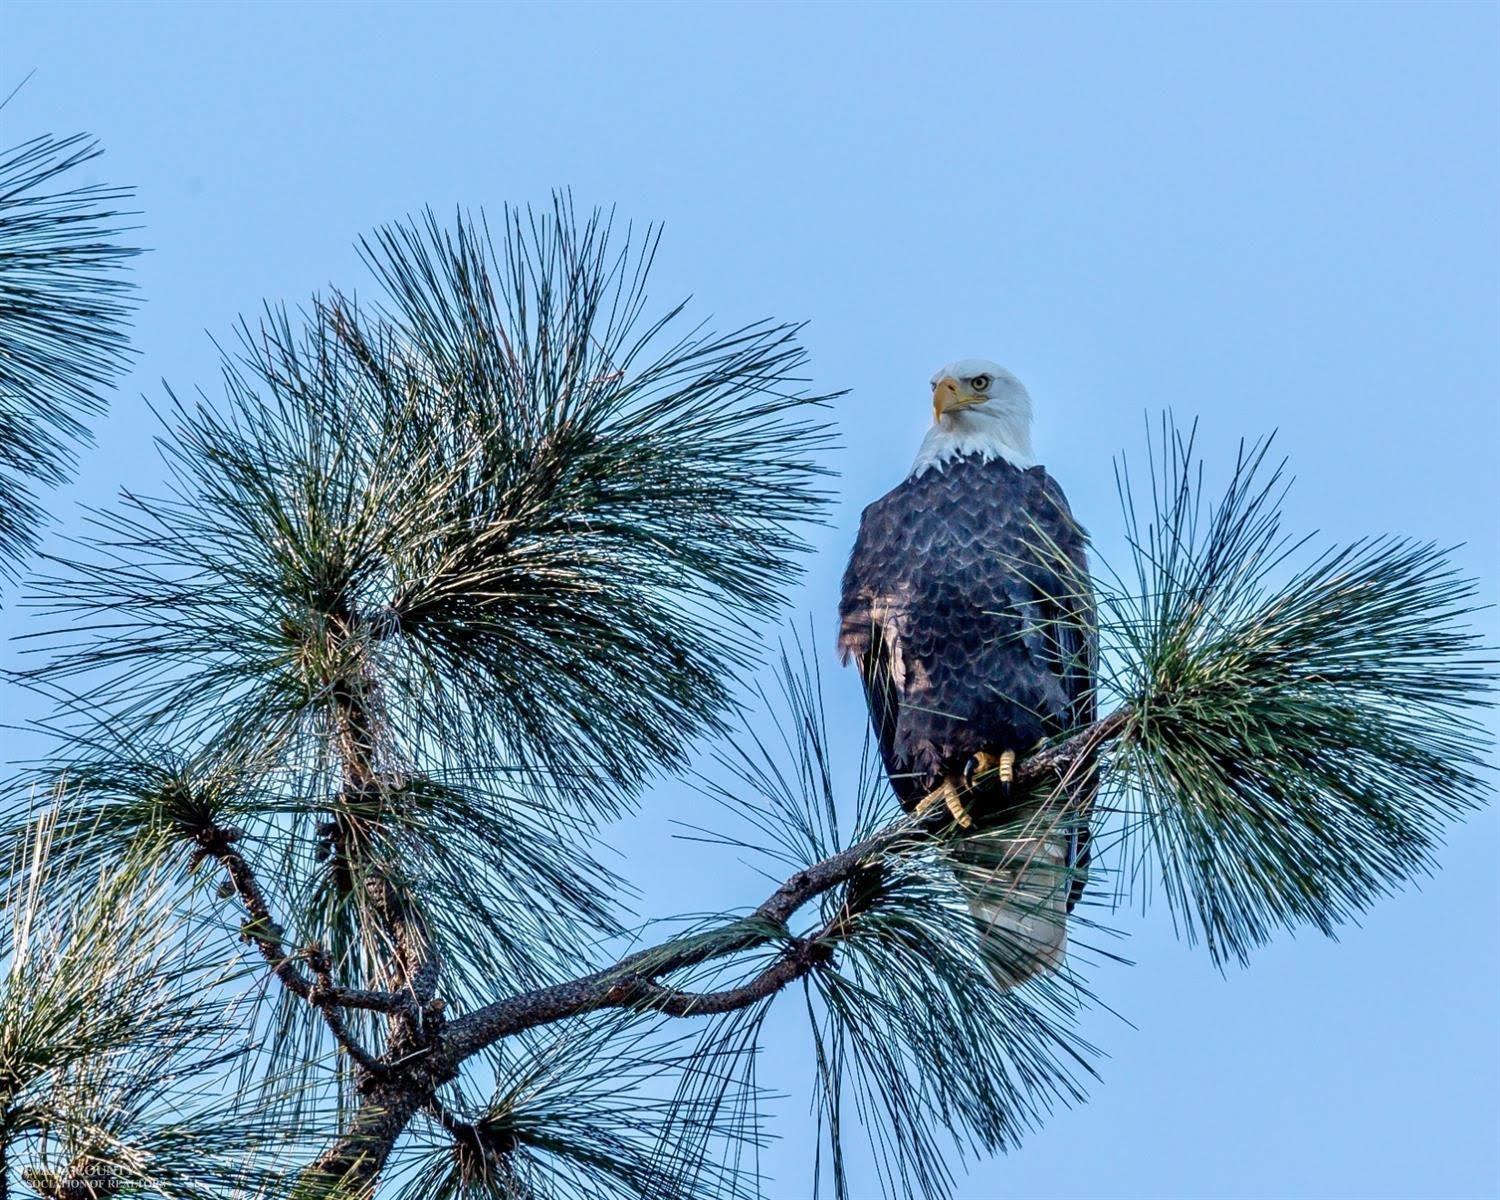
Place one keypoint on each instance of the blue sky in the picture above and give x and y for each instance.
(1270, 217)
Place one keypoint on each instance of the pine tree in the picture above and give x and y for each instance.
(307, 898)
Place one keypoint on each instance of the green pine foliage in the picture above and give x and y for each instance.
(1302, 725)
(579, 1114)
(65, 305)
(309, 897)
(504, 505)
(122, 1013)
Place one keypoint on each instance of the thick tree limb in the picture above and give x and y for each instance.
(353, 1163)
(395, 1096)
(619, 986)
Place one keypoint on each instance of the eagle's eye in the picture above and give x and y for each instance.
(980, 383)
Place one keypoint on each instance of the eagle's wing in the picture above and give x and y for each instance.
(1067, 605)
(992, 557)
(870, 620)
(1065, 602)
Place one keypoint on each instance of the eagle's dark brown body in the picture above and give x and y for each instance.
(966, 607)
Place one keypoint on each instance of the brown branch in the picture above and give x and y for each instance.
(322, 967)
(406, 1080)
(619, 985)
(414, 965)
(357, 1157)
(369, 999)
(353, 1163)
(645, 993)
(217, 842)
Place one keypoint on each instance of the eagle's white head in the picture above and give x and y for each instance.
(978, 407)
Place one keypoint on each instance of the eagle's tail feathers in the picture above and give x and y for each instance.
(1020, 906)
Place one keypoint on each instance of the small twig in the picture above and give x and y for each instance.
(351, 1046)
(217, 842)
(645, 993)
(322, 967)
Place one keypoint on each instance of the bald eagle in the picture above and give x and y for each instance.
(967, 609)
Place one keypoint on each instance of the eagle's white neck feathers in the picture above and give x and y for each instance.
(998, 428)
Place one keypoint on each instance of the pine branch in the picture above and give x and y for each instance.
(1304, 731)
(605, 989)
(261, 929)
(352, 1164)
(644, 994)
(358, 1155)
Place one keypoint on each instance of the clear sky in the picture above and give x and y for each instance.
(1270, 216)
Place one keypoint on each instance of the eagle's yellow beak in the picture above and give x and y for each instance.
(946, 397)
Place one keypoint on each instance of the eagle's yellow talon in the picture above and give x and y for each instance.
(981, 764)
(956, 807)
(948, 795)
(1002, 766)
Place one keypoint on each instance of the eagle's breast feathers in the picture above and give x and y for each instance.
(963, 608)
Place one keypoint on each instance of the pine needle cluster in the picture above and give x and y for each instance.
(1303, 726)
(65, 305)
